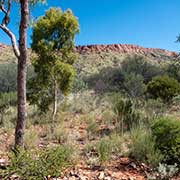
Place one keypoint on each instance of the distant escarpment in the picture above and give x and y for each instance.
(7, 55)
(125, 48)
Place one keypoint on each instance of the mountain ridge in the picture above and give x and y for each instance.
(119, 48)
(124, 48)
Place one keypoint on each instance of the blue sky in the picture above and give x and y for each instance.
(149, 23)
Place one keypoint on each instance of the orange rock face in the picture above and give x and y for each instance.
(123, 48)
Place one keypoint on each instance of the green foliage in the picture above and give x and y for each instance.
(6, 100)
(31, 139)
(167, 135)
(8, 78)
(79, 85)
(39, 165)
(53, 41)
(163, 87)
(155, 107)
(143, 147)
(140, 66)
(55, 31)
(134, 84)
(92, 128)
(107, 146)
(60, 134)
(127, 116)
(174, 70)
(103, 150)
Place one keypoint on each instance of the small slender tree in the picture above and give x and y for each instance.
(53, 43)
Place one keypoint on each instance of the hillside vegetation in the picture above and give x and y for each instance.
(111, 125)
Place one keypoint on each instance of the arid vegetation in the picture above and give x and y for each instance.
(91, 113)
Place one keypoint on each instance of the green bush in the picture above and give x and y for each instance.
(139, 65)
(79, 85)
(8, 77)
(31, 139)
(6, 100)
(134, 85)
(163, 87)
(173, 70)
(92, 128)
(39, 165)
(107, 146)
(167, 135)
(155, 107)
(8, 73)
(127, 116)
(142, 147)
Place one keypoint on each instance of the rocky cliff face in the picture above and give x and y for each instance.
(118, 48)
(125, 48)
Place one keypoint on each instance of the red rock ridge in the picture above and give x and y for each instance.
(120, 48)
(123, 48)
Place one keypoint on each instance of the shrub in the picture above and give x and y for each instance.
(103, 150)
(164, 172)
(163, 87)
(48, 162)
(140, 66)
(107, 146)
(127, 116)
(174, 70)
(31, 139)
(6, 100)
(167, 135)
(92, 128)
(79, 85)
(60, 134)
(167, 171)
(155, 107)
(142, 147)
(8, 74)
(134, 85)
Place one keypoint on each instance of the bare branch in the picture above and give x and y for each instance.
(13, 40)
(3, 26)
(6, 18)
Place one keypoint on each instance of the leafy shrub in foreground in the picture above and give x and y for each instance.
(167, 135)
(142, 147)
(163, 87)
(48, 162)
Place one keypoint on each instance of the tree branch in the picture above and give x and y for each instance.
(6, 17)
(3, 26)
(13, 40)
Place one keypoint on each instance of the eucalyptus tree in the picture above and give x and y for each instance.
(53, 42)
(19, 45)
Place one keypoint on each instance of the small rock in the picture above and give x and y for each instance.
(101, 175)
(107, 178)
(133, 165)
(84, 178)
(72, 178)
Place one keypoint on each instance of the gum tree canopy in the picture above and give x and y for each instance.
(53, 43)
